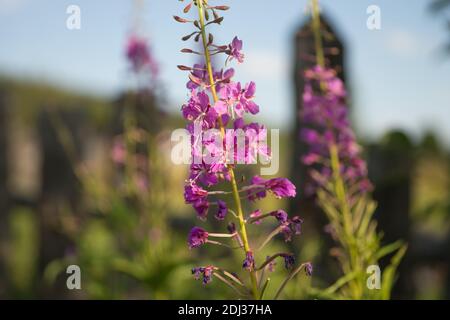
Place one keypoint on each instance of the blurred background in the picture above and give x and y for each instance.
(69, 195)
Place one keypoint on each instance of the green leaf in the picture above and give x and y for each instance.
(340, 283)
(388, 249)
(388, 277)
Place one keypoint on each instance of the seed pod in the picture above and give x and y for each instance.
(181, 20)
(187, 8)
(210, 39)
(195, 79)
(218, 20)
(185, 38)
(223, 8)
(184, 68)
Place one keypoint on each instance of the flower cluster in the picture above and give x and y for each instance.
(218, 102)
(139, 55)
(129, 150)
(326, 115)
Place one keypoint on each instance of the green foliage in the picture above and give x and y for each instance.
(359, 246)
(23, 252)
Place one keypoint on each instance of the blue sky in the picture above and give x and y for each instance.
(399, 78)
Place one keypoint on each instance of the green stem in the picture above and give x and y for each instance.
(317, 34)
(243, 230)
(129, 122)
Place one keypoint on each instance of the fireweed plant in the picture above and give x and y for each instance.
(124, 237)
(339, 178)
(127, 148)
(218, 102)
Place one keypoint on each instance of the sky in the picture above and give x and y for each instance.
(398, 75)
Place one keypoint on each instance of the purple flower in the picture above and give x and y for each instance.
(236, 100)
(138, 53)
(197, 237)
(280, 215)
(327, 113)
(231, 227)
(205, 271)
(201, 206)
(234, 50)
(311, 158)
(245, 102)
(291, 227)
(199, 77)
(280, 187)
(296, 224)
(310, 136)
(289, 260)
(309, 269)
(287, 232)
(194, 193)
(249, 262)
(223, 210)
(255, 136)
(203, 173)
(198, 110)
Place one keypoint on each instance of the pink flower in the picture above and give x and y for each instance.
(236, 100)
(197, 237)
(199, 110)
(199, 77)
(139, 55)
(280, 187)
(193, 193)
(327, 113)
(118, 151)
(201, 206)
(205, 271)
(234, 50)
(249, 262)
